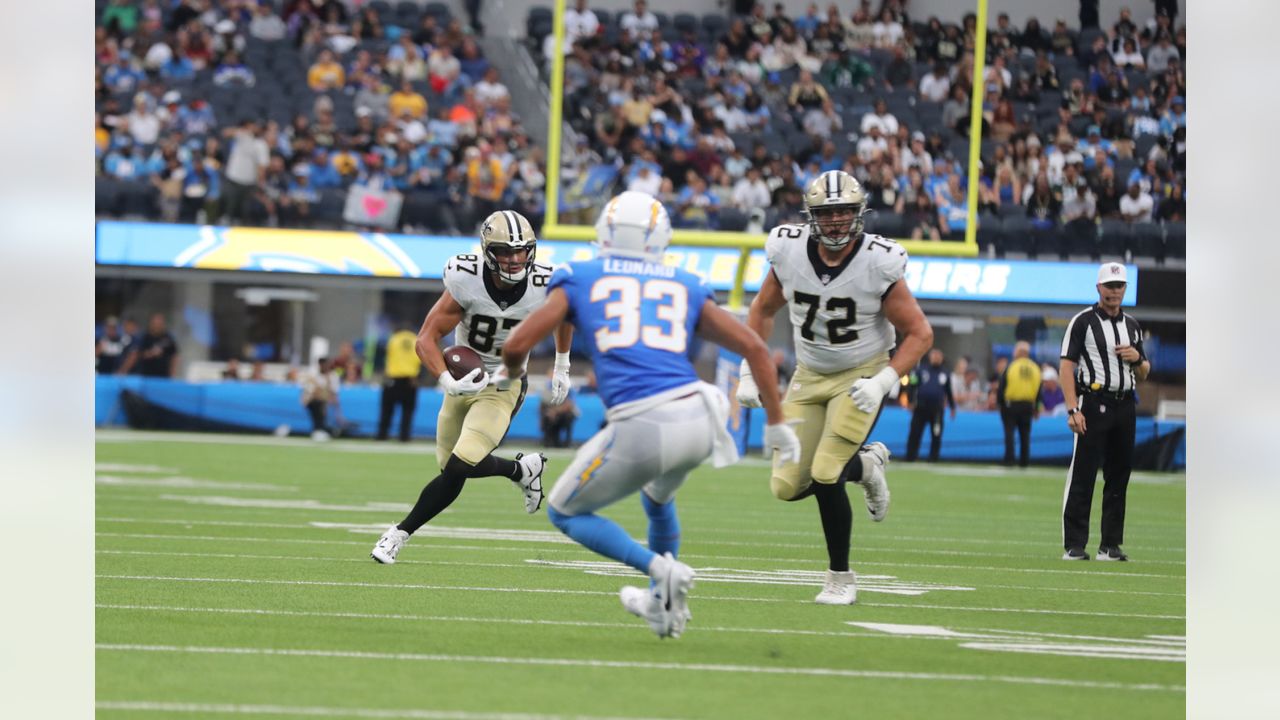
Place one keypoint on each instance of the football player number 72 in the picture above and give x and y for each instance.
(623, 297)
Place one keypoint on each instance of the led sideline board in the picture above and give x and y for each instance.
(205, 247)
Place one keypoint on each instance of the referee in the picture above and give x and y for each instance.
(1102, 360)
(400, 383)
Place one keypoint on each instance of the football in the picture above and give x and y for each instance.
(461, 360)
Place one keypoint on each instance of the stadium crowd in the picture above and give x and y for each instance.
(254, 112)
(1083, 145)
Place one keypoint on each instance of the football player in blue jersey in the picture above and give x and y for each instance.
(639, 315)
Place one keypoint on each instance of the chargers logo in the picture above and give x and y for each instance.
(268, 250)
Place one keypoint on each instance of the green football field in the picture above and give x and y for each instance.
(233, 579)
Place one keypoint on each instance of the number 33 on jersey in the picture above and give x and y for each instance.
(836, 310)
(639, 316)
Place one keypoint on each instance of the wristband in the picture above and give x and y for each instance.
(1072, 411)
(562, 361)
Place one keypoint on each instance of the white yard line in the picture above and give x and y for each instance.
(560, 591)
(857, 560)
(793, 533)
(429, 563)
(395, 617)
(337, 712)
(597, 663)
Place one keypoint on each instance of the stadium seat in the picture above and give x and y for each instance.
(685, 22)
(732, 219)
(1010, 209)
(1117, 235)
(664, 19)
(1044, 242)
(1015, 234)
(714, 25)
(439, 10)
(1148, 241)
(885, 222)
(1079, 239)
(1142, 147)
(988, 232)
(1175, 240)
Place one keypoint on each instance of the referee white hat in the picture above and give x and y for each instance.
(1112, 272)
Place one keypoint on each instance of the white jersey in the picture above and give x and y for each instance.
(489, 311)
(835, 311)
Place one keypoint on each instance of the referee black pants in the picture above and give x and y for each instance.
(402, 392)
(925, 414)
(1110, 425)
(1017, 416)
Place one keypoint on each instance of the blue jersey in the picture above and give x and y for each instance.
(638, 318)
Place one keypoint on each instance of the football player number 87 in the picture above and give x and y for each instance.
(623, 296)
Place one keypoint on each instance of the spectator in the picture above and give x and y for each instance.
(490, 89)
(266, 25)
(886, 31)
(406, 60)
(809, 23)
(326, 73)
(971, 391)
(1161, 53)
(1043, 207)
(231, 371)
(231, 71)
(921, 218)
(880, 117)
(900, 73)
(935, 86)
(1128, 55)
(1078, 203)
(154, 354)
(806, 94)
(1174, 118)
(1051, 395)
(872, 145)
(956, 110)
(246, 168)
(486, 182)
(1017, 396)
(1007, 187)
(845, 69)
(407, 103)
(751, 192)
(143, 124)
(1174, 207)
(647, 178)
(111, 346)
(580, 23)
(319, 390)
(443, 70)
(696, 207)
(822, 122)
(639, 21)
(1136, 205)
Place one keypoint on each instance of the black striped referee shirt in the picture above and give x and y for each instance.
(1091, 341)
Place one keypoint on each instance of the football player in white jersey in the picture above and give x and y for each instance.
(484, 298)
(846, 296)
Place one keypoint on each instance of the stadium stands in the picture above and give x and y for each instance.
(630, 94)
(175, 85)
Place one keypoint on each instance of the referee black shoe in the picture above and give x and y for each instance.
(1114, 554)
(1076, 554)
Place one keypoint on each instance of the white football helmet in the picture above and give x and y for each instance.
(830, 191)
(634, 224)
(507, 231)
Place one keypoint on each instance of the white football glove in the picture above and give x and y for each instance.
(868, 393)
(560, 382)
(472, 383)
(500, 378)
(748, 392)
(782, 440)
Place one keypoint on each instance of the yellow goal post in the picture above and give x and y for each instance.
(743, 241)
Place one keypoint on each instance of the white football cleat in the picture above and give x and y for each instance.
(643, 604)
(875, 458)
(389, 545)
(840, 588)
(672, 581)
(530, 482)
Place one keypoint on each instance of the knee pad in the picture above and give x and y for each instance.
(787, 492)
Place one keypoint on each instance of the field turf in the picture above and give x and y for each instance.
(233, 579)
